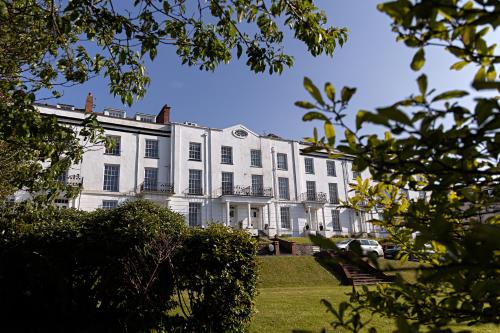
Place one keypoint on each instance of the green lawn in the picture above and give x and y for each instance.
(290, 292)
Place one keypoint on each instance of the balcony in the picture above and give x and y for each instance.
(246, 191)
(158, 188)
(73, 180)
(317, 197)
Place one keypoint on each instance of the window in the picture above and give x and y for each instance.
(147, 118)
(151, 179)
(283, 188)
(282, 161)
(227, 183)
(311, 190)
(336, 220)
(330, 169)
(285, 217)
(334, 193)
(255, 158)
(194, 214)
(109, 204)
(309, 165)
(226, 155)
(63, 177)
(257, 185)
(151, 149)
(111, 178)
(116, 145)
(195, 151)
(195, 182)
(61, 203)
(355, 174)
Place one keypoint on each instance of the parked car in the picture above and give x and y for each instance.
(391, 252)
(367, 246)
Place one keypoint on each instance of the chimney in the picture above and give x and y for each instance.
(89, 103)
(164, 116)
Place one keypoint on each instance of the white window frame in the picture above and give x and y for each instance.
(309, 165)
(227, 181)
(151, 183)
(333, 192)
(195, 151)
(111, 181)
(194, 214)
(226, 155)
(284, 188)
(336, 220)
(330, 169)
(195, 182)
(151, 148)
(311, 190)
(116, 150)
(109, 204)
(283, 163)
(285, 219)
(255, 158)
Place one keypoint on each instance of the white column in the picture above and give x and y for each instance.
(324, 220)
(249, 215)
(227, 213)
(316, 218)
(268, 216)
(309, 219)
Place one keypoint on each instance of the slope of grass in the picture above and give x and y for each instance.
(290, 294)
(296, 271)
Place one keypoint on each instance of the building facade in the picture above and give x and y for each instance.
(233, 176)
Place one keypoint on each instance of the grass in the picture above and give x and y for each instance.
(290, 294)
(324, 243)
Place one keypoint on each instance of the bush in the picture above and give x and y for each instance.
(121, 271)
(67, 270)
(218, 269)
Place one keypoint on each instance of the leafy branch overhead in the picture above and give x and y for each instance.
(49, 45)
(444, 148)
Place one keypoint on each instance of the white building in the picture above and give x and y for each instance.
(231, 176)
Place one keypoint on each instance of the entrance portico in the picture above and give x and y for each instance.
(249, 213)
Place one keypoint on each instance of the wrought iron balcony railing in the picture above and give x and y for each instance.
(247, 191)
(318, 197)
(72, 180)
(156, 188)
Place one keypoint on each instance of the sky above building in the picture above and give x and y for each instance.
(371, 60)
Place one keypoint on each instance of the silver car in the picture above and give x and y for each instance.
(367, 246)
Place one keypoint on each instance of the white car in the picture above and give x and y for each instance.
(367, 245)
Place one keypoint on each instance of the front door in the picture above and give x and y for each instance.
(232, 217)
(255, 218)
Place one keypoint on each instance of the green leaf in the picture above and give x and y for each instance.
(418, 60)
(313, 90)
(315, 116)
(395, 114)
(450, 94)
(459, 65)
(422, 84)
(330, 133)
(305, 105)
(347, 94)
(330, 91)
(483, 85)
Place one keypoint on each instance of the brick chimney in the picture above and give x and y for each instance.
(89, 103)
(164, 116)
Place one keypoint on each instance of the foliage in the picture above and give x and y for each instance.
(218, 270)
(437, 145)
(47, 45)
(67, 270)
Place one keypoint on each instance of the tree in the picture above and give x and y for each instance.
(48, 44)
(436, 145)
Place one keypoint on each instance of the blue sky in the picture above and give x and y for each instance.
(371, 60)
